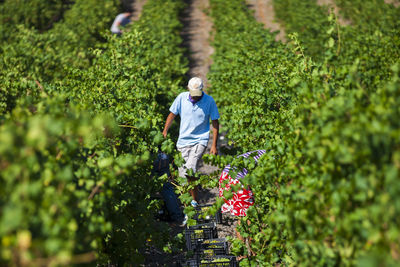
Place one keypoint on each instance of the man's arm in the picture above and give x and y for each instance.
(215, 125)
(168, 123)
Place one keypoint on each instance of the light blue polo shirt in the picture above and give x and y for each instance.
(195, 119)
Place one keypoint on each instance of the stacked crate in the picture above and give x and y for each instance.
(203, 242)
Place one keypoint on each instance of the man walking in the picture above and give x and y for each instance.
(196, 109)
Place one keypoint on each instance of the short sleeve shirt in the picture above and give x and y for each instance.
(122, 19)
(195, 119)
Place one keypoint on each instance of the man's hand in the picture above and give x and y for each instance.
(214, 150)
(168, 123)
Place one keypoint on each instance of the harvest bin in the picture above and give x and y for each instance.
(196, 234)
(201, 216)
(216, 261)
(211, 247)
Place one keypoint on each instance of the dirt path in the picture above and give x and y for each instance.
(196, 39)
(197, 27)
(264, 13)
(342, 21)
(137, 7)
(396, 3)
(196, 35)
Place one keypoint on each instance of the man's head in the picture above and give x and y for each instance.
(195, 86)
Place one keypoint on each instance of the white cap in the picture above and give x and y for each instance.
(195, 86)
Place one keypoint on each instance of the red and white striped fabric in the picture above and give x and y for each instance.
(242, 199)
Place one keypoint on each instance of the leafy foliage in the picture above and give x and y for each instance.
(325, 191)
(48, 171)
(371, 15)
(29, 57)
(81, 118)
(371, 45)
(79, 150)
(307, 19)
(39, 14)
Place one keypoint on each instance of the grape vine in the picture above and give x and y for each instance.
(76, 155)
(326, 190)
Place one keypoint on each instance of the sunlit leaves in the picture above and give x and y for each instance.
(330, 130)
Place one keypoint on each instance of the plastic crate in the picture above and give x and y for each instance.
(196, 234)
(212, 247)
(201, 216)
(217, 261)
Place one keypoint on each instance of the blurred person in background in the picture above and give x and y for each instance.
(120, 20)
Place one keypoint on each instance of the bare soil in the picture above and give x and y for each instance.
(342, 21)
(197, 31)
(196, 35)
(196, 38)
(265, 14)
(137, 7)
(396, 3)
